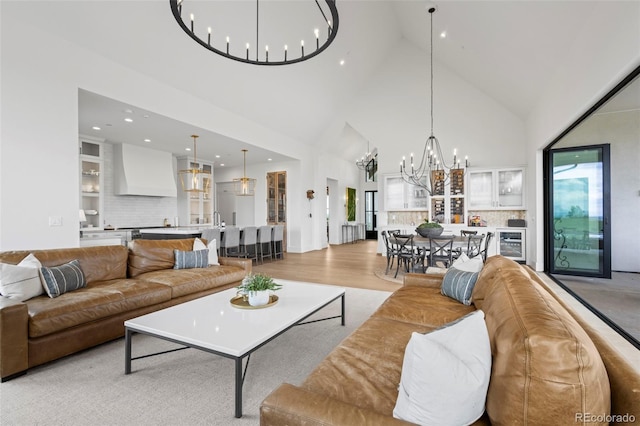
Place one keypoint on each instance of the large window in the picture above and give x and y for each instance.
(591, 183)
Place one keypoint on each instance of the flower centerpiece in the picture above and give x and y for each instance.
(258, 288)
(429, 229)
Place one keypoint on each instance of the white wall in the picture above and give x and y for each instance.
(596, 63)
(39, 132)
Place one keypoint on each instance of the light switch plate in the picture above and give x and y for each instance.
(55, 220)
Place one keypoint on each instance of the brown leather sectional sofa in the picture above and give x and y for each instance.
(122, 283)
(547, 367)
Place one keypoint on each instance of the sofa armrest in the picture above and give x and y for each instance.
(14, 330)
(423, 280)
(292, 405)
(236, 261)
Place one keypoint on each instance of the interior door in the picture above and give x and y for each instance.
(371, 214)
(579, 211)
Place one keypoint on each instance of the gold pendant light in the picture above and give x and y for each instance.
(244, 186)
(194, 179)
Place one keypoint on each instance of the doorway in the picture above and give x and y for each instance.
(371, 215)
(579, 229)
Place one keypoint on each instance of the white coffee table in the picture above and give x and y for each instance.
(213, 325)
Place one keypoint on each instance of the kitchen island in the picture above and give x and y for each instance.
(170, 233)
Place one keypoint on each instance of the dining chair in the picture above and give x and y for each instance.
(441, 250)
(484, 251)
(466, 233)
(474, 245)
(408, 255)
(392, 252)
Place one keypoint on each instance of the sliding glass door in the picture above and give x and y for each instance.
(579, 203)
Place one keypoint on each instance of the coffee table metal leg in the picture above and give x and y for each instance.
(343, 308)
(127, 351)
(238, 387)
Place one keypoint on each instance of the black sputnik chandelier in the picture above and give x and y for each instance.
(323, 29)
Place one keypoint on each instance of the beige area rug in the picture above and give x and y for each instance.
(188, 387)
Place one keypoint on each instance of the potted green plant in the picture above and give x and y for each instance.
(258, 288)
(429, 229)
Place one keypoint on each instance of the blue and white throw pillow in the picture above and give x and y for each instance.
(62, 279)
(459, 285)
(191, 259)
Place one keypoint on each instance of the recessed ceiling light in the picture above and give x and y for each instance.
(96, 128)
(147, 140)
(145, 116)
(341, 62)
(187, 149)
(108, 125)
(222, 165)
(128, 111)
(269, 159)
(217, 156)
(128, 120)
(443, 34)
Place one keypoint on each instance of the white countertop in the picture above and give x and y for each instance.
(177, 231)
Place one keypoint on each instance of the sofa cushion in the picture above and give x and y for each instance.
(96, 301)
(445, 374)
(187, 281)
(100, 263)
(422, 305)
(365, 368)
(546, 369)
(459, 284)
(154, 255)
(191, 259)
(63, 278)
(22, 281)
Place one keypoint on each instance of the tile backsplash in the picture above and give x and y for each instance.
(494, 218)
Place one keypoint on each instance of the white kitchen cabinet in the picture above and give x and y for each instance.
(400, 195)
(196, 208)
(91, 182)
(496, 189)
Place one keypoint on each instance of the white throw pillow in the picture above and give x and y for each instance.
(464, 263)
(22, 281)
(198, 244)
(445, 374)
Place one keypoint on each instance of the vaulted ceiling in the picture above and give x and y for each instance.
(507, 49)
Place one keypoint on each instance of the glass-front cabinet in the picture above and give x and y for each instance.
(276, 198)
(400, 195)
(91, 183)
(196, 208)
(496, 189)
(448, 197)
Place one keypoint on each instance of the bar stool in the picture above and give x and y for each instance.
(278, 243)
(231, 241)
(212, 234)
(264, 242)
(248, 242)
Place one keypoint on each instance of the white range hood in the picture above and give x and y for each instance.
(143, 171)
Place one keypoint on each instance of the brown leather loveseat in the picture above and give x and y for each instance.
(122, 283)
(547, 367)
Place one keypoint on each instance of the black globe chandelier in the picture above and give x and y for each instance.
(209, 37)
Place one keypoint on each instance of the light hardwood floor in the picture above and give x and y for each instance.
(349, 265)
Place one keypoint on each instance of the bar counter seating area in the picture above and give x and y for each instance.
(249, 242)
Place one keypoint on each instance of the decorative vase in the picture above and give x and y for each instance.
(259, 298)
(429, 232)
